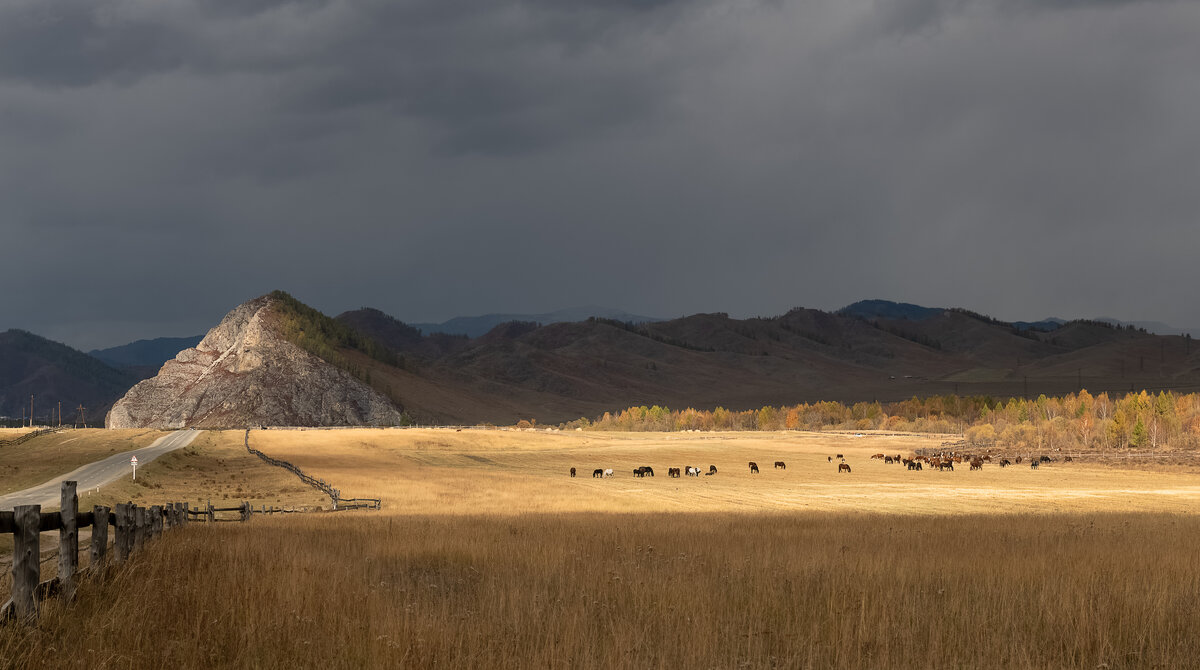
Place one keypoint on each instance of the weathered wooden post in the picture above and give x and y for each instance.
(27, 569)
(155, 521)
(123, 541)
(68, 540)
(212, 516)
(139, 527)
(245, 511)
(99, 537)
(185, 513)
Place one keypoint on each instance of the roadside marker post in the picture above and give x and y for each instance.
(133, 462)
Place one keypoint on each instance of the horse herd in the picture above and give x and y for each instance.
(943, 461)
(695, 471)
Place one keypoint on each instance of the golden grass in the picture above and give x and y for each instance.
(808, 590)
(12, 433)
(41, 458)
(487, 555)
(439, 471)
(216, 467)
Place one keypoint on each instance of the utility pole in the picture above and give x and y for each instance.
(80, 421)
(31, 410)
(60, 414)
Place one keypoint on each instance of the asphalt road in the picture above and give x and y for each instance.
(97, 474)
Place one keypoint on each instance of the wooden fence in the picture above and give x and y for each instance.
(335, 496)
(22, 439)
(133, 526)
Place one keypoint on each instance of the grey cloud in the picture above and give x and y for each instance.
(436, 158)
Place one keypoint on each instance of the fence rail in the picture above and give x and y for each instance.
(22, 439)
(133, 526)
(321, 485)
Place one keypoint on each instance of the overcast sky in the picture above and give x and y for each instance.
(162, 161)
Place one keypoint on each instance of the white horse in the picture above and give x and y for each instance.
(608, 472)
(693, 472)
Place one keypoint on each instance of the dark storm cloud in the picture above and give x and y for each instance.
(431, 158)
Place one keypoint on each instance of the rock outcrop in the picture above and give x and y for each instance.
(246, 373)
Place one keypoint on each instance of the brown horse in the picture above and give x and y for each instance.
(572, 472)
(780, 465)
(977, 463)
(598, 472)
(647, 470)
(672, 472)
(843, 467)
(712, 469)
(753, 467)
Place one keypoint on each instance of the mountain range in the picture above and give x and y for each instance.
(474, 326)
(557, 371)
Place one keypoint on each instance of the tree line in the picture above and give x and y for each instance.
(1081, 420)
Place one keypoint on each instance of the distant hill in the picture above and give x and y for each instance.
(886, 309)
(53, 373)
(873, 351)
(272, 361)
(143, 358)
(474, 326)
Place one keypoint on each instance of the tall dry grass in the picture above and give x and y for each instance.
(641, 591)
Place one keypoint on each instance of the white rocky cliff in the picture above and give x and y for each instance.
(244, 373)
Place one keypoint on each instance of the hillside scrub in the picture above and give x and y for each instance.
(1075, 421)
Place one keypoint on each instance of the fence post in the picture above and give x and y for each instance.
(27, 568)
(156, 521)
(68, 540)
(99, 537)
(184, 507)
(211, 515)
(245, 511)
(139, 527)
(122, 541)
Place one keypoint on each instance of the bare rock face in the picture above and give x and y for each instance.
(244, 373)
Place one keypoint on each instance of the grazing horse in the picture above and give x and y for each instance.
(647, 470)
(597, 473)
(608, 472)
(840, 456)
(1067, 459)
(692, 471)
(780, 465)
(880, 456)
(1018, 460)
(639, 472)
(572, 472)
(712, 469)
(672, 472)
(1004, 462)
(977, 463)
(753, 467)
(843, 467)
(1045, 459)
(887, 459)
(913, 465)
(1033, 464)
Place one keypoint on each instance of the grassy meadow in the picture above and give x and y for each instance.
(811, 590)
(488, 555)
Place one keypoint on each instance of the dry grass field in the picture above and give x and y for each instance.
(443, 471)
(43, 457)
(679, 590)
(488, 555)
